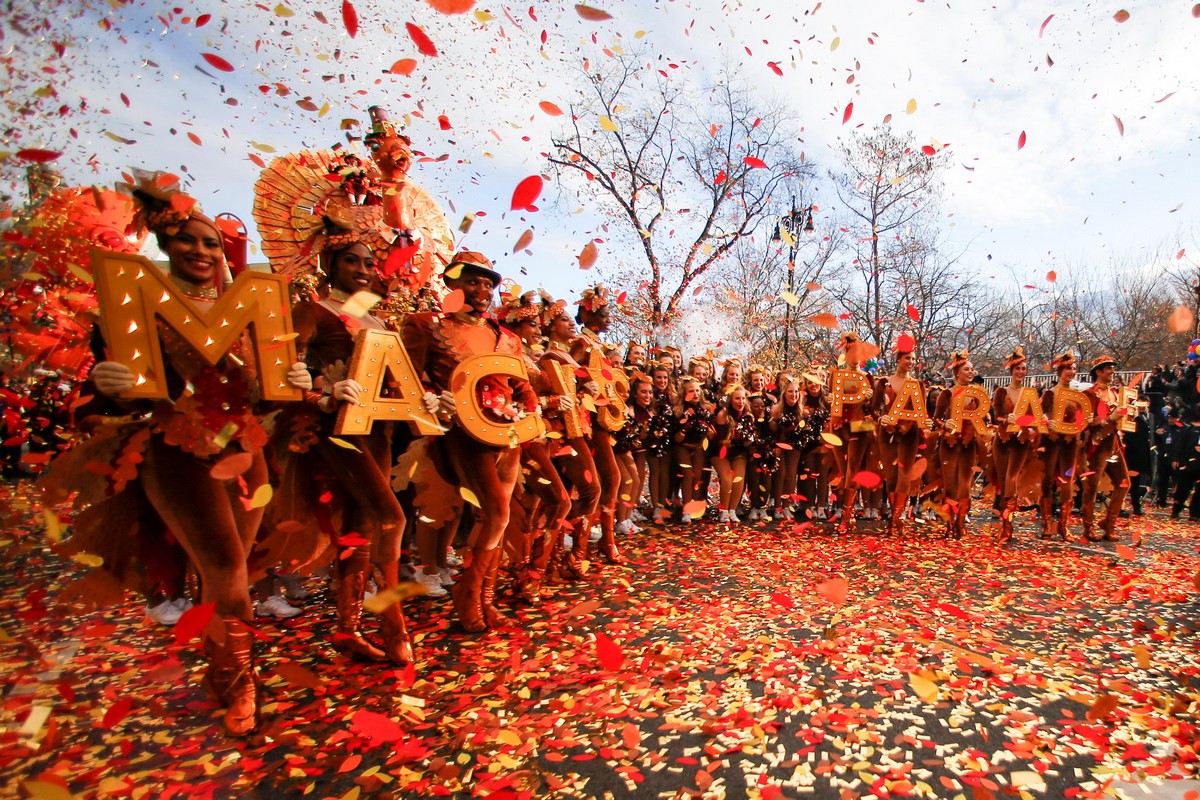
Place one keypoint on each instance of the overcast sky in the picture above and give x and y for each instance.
(1109, 109)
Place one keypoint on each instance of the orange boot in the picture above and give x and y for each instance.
(352, 580)
(467, 593)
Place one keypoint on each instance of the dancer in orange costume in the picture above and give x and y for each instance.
(1104, 451)
(593, 316)
(958, 448)
(899, 440)
(1060, 448)
(436, 343)
(853, 429)
(209, 418)
(547, 501)
(1015, 443)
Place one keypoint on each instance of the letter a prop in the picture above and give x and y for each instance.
(379, 355)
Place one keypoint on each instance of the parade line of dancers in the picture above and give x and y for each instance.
(159, 487)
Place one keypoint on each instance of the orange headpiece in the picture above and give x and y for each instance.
(517, 308)
(905, 343)
(162, 205)
(1102, 361)
(848, 338)
(957, 360)
(592, 299)
(1015, 359)
(1061, 362)
(550, 309)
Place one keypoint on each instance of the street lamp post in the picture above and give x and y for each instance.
(797, 222)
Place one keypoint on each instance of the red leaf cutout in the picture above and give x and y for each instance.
(775, 68)
(376, 727)
(350, 18)
(526, 193)
(37, 155)
(867, 479)
(608, 653)
(424, 43)
(755, 163)
(1021, 140)
(117, 712)
(549, 108)
(591, 14)
(217, 62)
(846, 114)
(193, 621)
(834, 590)
(1042, 29)
(913, 313)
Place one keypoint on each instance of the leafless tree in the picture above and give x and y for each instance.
(688, 171)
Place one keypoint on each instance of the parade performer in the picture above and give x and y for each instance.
(817, 463)
(853, 430)
(545, 519)
(208, 418)
(593, 316)
(658, 442)
(1104, 450)
(791, 429)
(693, 427)
(900, 438)
(631, 450)
(1060, 447)
(574, 456)
(737, 435)
(959, 446)
(436, 342)
(1015, 443)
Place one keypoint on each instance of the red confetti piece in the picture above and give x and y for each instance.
(350, 18)
(1025, 419)
(193, 621)
(775, 68)
(117, 712)
(1051, 276)
(1121, 16)
(404, 66)
(451, 6)
(834, 590)
(424, 43)
(846, 114)
(526, 193)
(913, 313)
(608, 653)
(1126, 552)
(299, 676)
(444, 122)
(37, 155)
(1042, 29)
(906, 343)
(217, 62)
(1120, 125)
(203, 20)
(1021, 140)
(453, 302)
(867, 479)
(781, 599)
(549, 108)
(398, 259)
(755, 163)
(591, 14)
(352, 539)
(1104, 705)
(232, 466)
(587, 257)
(376, 727)
(929, 150)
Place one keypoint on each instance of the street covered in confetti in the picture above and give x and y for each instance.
(770, 661)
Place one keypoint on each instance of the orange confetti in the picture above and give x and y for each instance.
(451, 6)
(404, 66)
(825, 321)
(1181, 320)
(549, 108)
(1051, 276)
(587, 257)
(526, 193)
(217, 62)
(1104, 705)
(453, 302)
(591, 14)
(608, 653)
(1121, 16)
(867, 479)
(834, 590)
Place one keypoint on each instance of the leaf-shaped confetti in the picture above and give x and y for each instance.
(608, 125)
(232, 466)
(451, 6)
(469, 496)
(376, 727)
(587, 256)
(913, 312)
(117, 712)
(1045, 22)
(1181, 320)
(1021, 140)
(193, 622)
(453, 301)
(591, 14)
(755, 163)
(911, 108)
(527, 193)
(549, 108)
(825, 321)
(360, 304)
(847, 112)
(608, 653)
(45, 790)
(831, 439)
(424, 43)
(299, 676)
(923, 688)
(834, 590)
(350, 18)
(1121, 16)
(1120, 125)
(404, 66)
(1104, 705)
(217, 62)
(790, 298)
(344, 444)
(1051, 276)
(262, 495)
(867, 479)
(37, 155)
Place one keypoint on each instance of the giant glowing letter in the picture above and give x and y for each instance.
(472, 416)
(1028, 404)
(909, 405)
(846, 387)
(1063, 396)
(562, 380)
(378, 354)
(133, 292)
(959, 413)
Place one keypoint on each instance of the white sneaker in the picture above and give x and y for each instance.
(820, 513)
(733, 518)
(292, 586)
(168, 612)
(685, 519)
(453, 559)
(786, 514)
(275, 606)
(446, 576)
(660, 516)
(432, 583)
(722, 516)
(624, 527)
(637, 516)
(596, 534)
(765, 515)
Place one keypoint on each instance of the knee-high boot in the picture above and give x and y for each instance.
(529, 580)
(487, 595)
(574, 562)
(467, 593)
(352, 579)
(1044, 511)
(896, 520)
(848, 522)
(608, 538)
(397, 644)
(231, 676)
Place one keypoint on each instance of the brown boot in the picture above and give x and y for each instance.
(1006, 521)
(574, 569)
(1061, 527)
(1044, 511)
(352, 580)
(1109, 525)
(397, 644)
(487, 596)
(231, 676)
(896, 522)
(608, 538)
(529, 580)
(468, 591)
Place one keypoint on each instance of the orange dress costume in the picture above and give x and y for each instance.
(854, 429)
(899, 445)
(959, 453)
(1105, 454)
(1060, 451)
(1012, 450)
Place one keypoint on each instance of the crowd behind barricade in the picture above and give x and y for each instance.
(211, 479)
